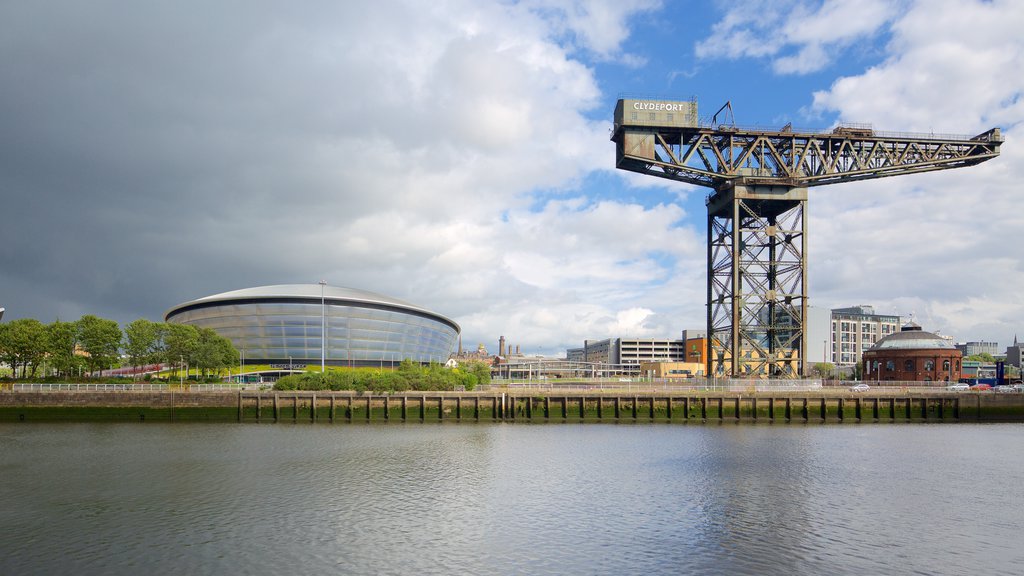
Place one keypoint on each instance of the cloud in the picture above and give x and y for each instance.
(152, 154)
(797, 39)
(941, 245)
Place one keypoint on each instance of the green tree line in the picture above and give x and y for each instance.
(92, 344)
(408, 376)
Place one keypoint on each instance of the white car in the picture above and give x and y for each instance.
(958, 387)
(1007, 389)
(862, 387)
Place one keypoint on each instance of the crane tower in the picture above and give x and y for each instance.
(756, 233)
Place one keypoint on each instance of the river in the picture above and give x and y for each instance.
(115, 498)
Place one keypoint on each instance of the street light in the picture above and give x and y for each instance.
(323, 327)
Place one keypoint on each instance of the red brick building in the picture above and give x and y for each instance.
(912, 354)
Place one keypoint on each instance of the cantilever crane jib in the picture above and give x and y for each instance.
(757, 302)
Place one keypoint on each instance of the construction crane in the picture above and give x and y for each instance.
(757, 231)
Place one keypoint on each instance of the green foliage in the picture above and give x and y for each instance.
(408, 376)
(983, 357)
(22, 344)
(61, 338)
(100, 339)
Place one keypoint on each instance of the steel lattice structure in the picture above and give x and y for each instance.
(757, 241)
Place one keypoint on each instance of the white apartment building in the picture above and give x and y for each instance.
(855, 329)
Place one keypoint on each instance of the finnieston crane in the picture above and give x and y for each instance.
(757, 231)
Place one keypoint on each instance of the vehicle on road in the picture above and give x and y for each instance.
(1007, 389)
(958, 387)
(980, 387)
(862, 387)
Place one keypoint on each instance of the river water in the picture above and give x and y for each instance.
(150, 498)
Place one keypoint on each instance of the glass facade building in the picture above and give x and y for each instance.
(282, 326)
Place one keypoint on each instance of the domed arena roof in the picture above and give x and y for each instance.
(331, 294)
(911, 337)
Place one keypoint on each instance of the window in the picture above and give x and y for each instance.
(633, 116)
(908, 365)
(671, 117)
(945, 365)
(651, 116)
(890, 365)
(929, 365)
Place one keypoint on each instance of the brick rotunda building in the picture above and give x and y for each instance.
(912, 354)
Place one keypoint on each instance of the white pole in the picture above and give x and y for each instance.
(323, 327)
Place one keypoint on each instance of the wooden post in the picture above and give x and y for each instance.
(276, 413)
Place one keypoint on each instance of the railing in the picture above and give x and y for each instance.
(129, 387)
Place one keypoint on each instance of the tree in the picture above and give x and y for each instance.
(23, 343)
(213, 351)
(180, 343)
(824, 369)
(60, 346)
(984, 357)
(140, 341)
(100, 339)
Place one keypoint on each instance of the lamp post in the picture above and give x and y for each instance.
(323, 327)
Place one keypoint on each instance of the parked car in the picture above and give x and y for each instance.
(1007, 389)
(862, 387)
(958, 387)
(980, 387)
(1018, 387)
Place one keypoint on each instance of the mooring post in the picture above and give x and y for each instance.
(348, 409)
(635, 402)
(618, 407)
(789, 408)
(458, 407)
(600, 402)
(824, 410)
(405, 408)
(476, 408)
(908, 403)
(668, 408)
(239, 405)
(737, 407)
(387, 409)
(258, 398)
(333, 396)
(856, 410)
(840, 413)
(583, 407)
(703, 408)
(276, 413)
(423, 408)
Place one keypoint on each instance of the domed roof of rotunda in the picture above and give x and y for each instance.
(911, 337)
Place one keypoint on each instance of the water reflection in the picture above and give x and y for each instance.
(505, 498)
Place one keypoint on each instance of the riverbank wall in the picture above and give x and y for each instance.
(491, 406)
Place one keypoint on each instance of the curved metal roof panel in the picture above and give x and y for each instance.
(306, 291)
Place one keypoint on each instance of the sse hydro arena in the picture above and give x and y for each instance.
(281, 326)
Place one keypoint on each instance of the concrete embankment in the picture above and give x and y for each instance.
(343, 407)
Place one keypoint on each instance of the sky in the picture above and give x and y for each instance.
(456, 155)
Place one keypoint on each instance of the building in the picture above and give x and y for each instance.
(855, 330)
(696, 345)
(973, 348)
(1013, 354)
(628, 351)
(912, 355)
(679, 370)
(291, 326)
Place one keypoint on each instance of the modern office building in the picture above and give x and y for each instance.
(855, 330)
(301, 324)
(972, 348)
(912, 355)
(628, 351)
